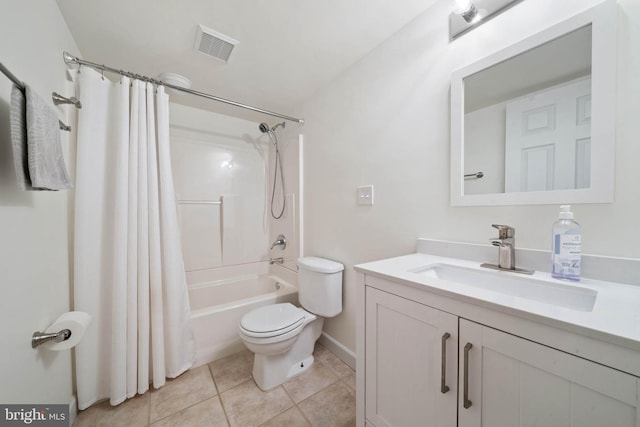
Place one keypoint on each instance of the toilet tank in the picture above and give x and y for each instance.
(320, 285)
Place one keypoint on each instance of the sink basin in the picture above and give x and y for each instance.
(569, 296)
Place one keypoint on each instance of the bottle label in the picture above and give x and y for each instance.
(566, 256)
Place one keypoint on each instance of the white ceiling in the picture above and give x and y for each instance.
(288, 49)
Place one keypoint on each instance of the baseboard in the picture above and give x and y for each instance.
(211, 354)
(73, 410)
(336, 347)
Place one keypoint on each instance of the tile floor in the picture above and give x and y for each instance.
(223, 393)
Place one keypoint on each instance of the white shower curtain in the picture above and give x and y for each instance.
(128, 268)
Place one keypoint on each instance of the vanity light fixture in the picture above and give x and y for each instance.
(469, 14)
(468, 11)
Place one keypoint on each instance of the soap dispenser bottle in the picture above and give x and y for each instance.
(567, 246)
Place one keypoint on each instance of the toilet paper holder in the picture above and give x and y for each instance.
(39, 338)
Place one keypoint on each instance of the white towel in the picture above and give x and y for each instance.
(18, 118)
(46, 162)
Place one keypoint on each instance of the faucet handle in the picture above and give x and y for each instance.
(504, 231)
(281, 242)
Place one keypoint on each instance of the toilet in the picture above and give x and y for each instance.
(282, 336)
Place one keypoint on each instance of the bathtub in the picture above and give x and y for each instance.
(217, 307)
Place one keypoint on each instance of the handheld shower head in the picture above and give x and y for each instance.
(264, 128)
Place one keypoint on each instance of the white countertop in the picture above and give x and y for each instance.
(615, 315)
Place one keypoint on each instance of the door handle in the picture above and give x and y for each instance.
(467, 403)
(443, 375)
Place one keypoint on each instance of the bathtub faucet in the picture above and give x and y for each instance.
(278, 260)
(281, 242)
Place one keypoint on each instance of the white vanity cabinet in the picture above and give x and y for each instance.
(408, 381)
(512, 381)
(426, 364)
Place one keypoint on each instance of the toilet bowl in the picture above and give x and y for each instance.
(272, 329)
(283, 336)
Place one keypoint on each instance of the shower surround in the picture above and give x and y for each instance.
(223, 168)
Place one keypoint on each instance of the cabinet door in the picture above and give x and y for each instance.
(404, 365)
(516, 382)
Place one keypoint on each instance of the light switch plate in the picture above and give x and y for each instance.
(365, 195)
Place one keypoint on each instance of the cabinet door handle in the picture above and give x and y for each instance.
(443, 376)
(467, 402)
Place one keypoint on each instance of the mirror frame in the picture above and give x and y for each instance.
(603, 19)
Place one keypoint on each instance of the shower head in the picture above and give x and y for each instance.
(264, 128)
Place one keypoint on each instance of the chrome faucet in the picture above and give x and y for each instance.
(506, 243)
(278, 260)
(281, 242)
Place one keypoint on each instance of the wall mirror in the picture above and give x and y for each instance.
(535, 122)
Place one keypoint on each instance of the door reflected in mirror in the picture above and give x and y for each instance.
(527, 120)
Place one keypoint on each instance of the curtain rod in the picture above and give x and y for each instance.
(70, 59)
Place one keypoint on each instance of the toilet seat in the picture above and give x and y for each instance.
(272, 320)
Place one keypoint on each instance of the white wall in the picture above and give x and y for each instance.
(34, 256)
(386, 122)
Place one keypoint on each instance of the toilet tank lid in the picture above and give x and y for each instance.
(320, 265)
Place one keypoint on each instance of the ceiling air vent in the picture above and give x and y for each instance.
(214, 44)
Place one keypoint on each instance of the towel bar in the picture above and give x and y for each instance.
(59, 99)
(474, 175)
(199, 202)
